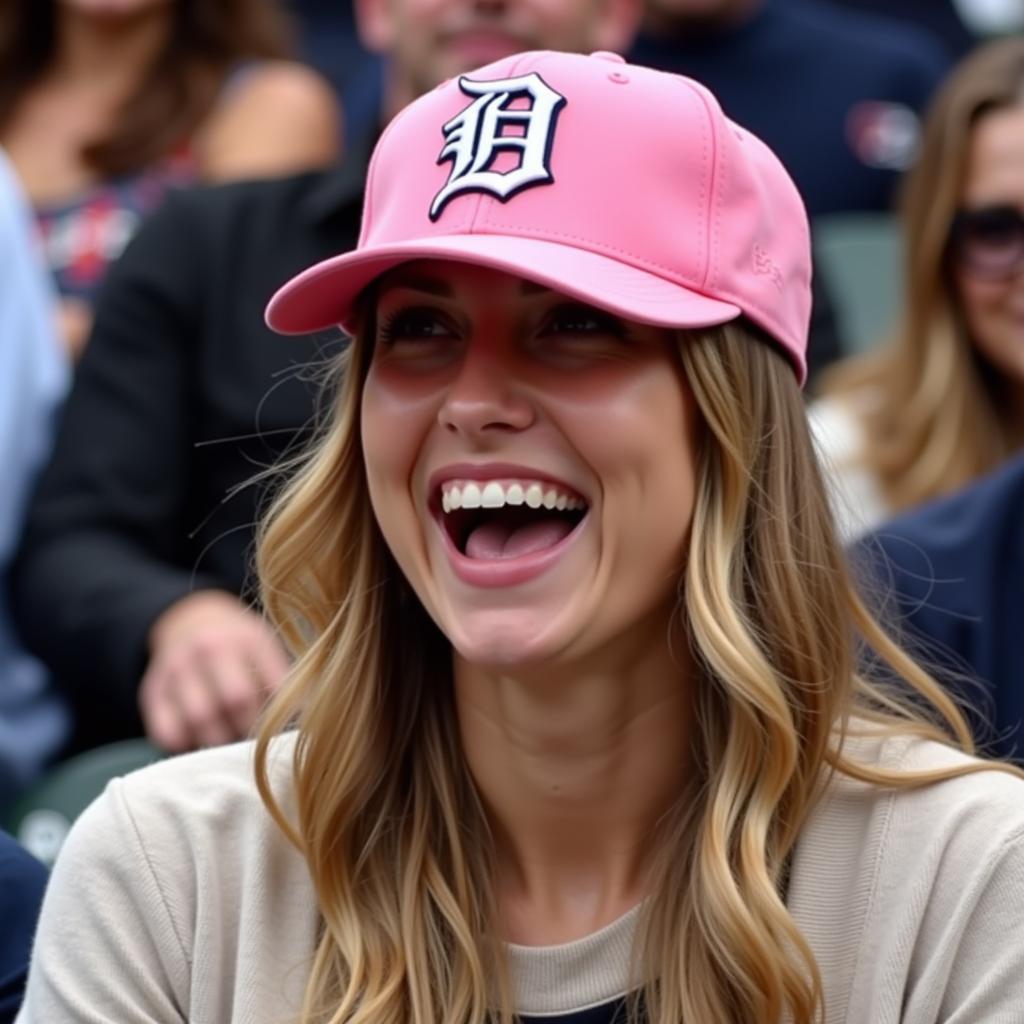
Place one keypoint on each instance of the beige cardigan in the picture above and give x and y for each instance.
(176, 899)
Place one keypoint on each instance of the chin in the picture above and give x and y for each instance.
(506, 641)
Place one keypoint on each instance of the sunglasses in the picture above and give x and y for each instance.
(989, 241)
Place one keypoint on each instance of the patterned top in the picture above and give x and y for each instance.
(83, 236)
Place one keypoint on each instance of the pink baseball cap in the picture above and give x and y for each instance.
(621, 186)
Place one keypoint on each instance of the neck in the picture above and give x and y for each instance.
(672, 25)
(575, 767)
(108, 54)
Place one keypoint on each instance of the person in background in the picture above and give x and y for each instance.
(33, 379)
(133, 583)
(953, 573)
(22, 884)
(105, 104)
(835, 93)
(943, 402)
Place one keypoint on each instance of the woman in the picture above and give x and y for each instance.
(943, 403)
(579, 733)
(104, 104)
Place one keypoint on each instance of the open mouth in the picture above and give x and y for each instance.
(499, 520)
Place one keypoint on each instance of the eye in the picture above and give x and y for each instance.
(412, 324)
(579, 320)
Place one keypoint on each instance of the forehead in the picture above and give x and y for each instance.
(995, 166)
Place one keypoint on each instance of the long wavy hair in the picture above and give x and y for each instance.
(385, 810)
(933, 410)
(207, 40)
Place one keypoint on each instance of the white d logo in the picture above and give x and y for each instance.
(475, 137)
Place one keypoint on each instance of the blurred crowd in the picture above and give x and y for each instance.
(166, 164)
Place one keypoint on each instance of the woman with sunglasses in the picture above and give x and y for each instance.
(943, 402)
(580, 728)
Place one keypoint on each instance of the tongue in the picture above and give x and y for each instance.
(497, 540)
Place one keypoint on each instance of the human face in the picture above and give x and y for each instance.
(484, 387)
(993, 306)
(430, 41)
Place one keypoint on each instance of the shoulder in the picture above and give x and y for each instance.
(212, 789)
(981, 811)
(179, 871)
(895, 888)
(193, 821)
(275, 117)
(964, 541)
(992, 505)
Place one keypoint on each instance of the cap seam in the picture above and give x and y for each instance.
(711, 235)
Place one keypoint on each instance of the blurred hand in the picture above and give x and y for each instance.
(213, 664)
(74, 322)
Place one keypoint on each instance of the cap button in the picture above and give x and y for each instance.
(614, 58)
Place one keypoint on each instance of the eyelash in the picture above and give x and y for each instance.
(604, 323)
(389, 330)
(395, 325)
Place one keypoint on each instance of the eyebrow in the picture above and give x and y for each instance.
(440, 288)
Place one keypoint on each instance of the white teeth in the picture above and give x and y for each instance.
(493, 496)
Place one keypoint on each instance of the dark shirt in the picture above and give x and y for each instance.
(22, 881)
(940, 17)
(614, 1012)
(807, 78)
(955, 569)
(182, 395)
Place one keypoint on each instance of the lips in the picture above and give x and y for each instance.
(502, 527)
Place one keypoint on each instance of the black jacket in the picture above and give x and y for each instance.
(182, 396)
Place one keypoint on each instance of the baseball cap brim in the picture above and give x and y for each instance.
(324, 295)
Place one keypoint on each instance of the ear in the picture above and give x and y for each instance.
(375, 25)
(616, 23)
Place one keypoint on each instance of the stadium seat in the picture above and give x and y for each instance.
(41, 817)
(859, 256)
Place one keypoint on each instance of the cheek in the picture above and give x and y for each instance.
(987, 309)
(395, 422)
(641, 442)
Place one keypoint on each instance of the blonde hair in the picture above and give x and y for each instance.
(933, 415)
(386, 813)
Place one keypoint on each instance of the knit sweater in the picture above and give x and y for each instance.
(176, 898)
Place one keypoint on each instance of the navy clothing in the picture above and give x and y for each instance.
(833, 92)
(614, 1012)
(940, 17)
(955, 568)
(22, 882)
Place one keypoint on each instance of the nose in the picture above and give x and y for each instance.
(484, 398)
